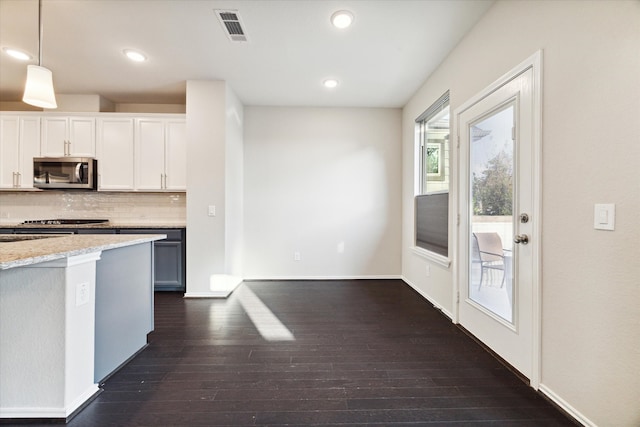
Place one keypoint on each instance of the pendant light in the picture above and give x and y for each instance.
(38, 90)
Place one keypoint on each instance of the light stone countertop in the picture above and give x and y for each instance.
(110, 224)
(40, 249)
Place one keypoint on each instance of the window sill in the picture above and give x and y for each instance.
(441, 260)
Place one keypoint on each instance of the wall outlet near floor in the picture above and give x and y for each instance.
(82, 294)
(296, 256)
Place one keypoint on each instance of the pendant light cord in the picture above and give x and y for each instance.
(39, 33)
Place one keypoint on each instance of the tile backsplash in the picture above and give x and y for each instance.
(123, 208)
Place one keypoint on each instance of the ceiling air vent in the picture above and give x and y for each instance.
(232, 25)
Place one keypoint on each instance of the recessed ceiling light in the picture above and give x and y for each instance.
(18, 54)
(330, 83)
(134, 55)
(342, 19)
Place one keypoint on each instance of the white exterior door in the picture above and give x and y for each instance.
(498, 236)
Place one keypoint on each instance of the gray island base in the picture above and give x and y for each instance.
(69, 318)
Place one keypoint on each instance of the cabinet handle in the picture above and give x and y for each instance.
(13, 181)
(165, 181)
(19, 180)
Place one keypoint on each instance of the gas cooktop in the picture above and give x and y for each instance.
(66, 221)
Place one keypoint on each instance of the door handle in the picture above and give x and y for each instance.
(521, 238)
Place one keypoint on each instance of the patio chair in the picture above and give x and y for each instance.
(488, 252)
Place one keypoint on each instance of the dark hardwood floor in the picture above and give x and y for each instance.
(368, 353)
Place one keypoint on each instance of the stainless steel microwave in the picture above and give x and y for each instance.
(65, 173)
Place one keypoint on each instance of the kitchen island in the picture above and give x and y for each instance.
(170, 253)
(73, 308)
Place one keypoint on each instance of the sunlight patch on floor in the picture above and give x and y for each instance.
(265, 321)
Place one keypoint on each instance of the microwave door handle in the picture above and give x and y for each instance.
(79, 172)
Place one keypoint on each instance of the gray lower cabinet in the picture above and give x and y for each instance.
(169, 258)
(96, 231)
(169, 254)
(124, 306)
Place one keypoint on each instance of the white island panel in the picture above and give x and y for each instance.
(47, 336)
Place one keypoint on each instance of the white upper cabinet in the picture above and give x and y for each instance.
(176, 155)
(115, 153)
(68, 136)
(160, 154)
(146, 152)
(19, 144)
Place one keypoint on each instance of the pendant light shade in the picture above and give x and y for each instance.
(39, 88)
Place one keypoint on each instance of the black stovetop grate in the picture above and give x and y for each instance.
(65, 221)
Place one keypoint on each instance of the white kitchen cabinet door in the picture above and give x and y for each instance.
(19, 144)
(149, 154)
(68, 136)
(115, 153)
(176, 155)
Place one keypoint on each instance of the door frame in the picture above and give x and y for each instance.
(534, 62)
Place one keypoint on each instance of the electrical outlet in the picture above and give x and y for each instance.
(296, 256)
(82, 293)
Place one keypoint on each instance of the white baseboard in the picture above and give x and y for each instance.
(428, 298)
(40, 412)
(566, 406)
(220, 286)
(374, 277)
(217, 294)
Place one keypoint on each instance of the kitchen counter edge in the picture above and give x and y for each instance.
(101, 226)
(29, 252)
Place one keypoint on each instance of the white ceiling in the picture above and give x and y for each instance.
(380, 61)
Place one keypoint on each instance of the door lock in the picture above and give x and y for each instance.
(521, 238)
(524, 218)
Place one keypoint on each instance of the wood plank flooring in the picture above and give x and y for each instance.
(358, 353)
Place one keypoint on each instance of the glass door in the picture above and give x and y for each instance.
(491, 148)
(497, 258)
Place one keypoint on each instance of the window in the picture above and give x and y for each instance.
(432, 195)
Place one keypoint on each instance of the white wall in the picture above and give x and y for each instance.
(214, 178)
(83, 103)
(324, 182)
(591, 151)
(234, 191)
(206, 184)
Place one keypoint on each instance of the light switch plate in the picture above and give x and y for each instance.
(212, 210)
(604, 216)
